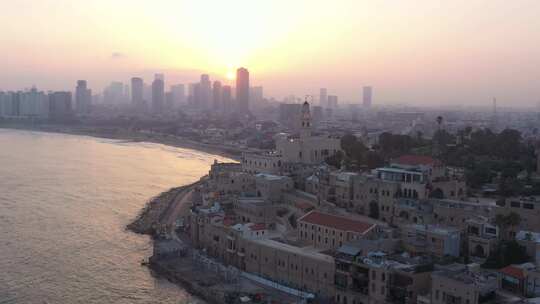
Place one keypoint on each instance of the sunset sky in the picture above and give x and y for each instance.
(416, 51)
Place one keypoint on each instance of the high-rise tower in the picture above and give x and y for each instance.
(158, 94)
(137, 93)
(216, 97)
(226, 99)
(83, 97)
(242, 90)
(367, 94)
(323, 98)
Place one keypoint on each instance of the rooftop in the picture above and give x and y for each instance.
(484, 280)
(301, 251)
(443, 230)
(398, 170)
(336, 222)
(416, 160)
(513, 271)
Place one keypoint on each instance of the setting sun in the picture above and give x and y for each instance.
(230, 75)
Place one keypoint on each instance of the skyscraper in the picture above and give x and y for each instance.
(83, 97)
(179, 94)
(191, 94)
(197, 96)
(205, 92)
(217, 96)
(323, 98)
(158, 94)
(226, 99)
(60, 105)
(332, 102)
(256, 96)
(242, 90)
(137, 93)
(33, 103)
(366, 96)
(114, 93)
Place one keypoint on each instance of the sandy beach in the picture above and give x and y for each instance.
(134, 136)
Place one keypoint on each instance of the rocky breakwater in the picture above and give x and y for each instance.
(153, 217)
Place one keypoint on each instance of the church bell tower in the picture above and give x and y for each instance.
(306, 123)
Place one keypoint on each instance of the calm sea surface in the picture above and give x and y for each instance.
(64, 203)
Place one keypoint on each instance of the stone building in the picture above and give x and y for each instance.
(433, 240)
(528, 209)
(329, 231)
(304, 148)
(461, 284)
(378, 278)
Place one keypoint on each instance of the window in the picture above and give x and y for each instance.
(515, 204)
(374, 275)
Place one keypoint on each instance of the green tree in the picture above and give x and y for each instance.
(335, 160)
(505, 221)
(506, 253)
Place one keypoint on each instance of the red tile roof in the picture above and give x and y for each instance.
(415, 160)
(259, 226)
(513, 271)
(336, 222)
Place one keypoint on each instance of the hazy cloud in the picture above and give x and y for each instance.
(117, 55)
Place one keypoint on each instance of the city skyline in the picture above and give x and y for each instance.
(421, 52)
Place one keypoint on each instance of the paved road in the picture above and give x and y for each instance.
(180, 206)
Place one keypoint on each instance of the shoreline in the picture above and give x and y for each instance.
(152, 219)
(132, 136)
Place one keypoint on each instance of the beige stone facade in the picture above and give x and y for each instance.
(303, 268)
(329, 231)
(458, 284)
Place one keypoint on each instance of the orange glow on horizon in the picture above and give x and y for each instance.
(230, 75)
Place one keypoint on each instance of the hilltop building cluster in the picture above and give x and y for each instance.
(407, 232)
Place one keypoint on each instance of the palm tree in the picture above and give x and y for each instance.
(505, 221)
(513, 219)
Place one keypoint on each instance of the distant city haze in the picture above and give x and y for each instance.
(419, 52)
